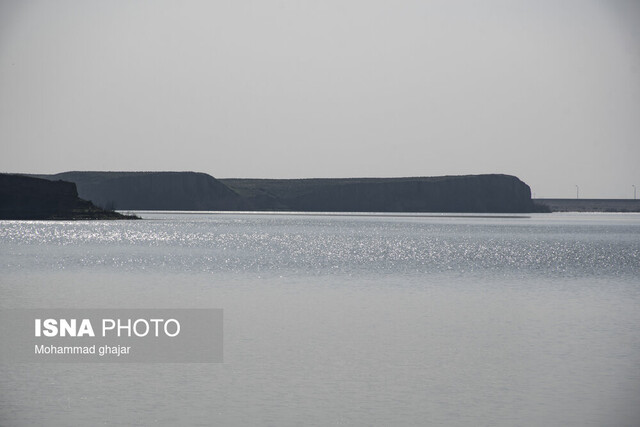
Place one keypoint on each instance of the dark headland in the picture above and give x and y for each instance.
(492, 193)
(23, 197)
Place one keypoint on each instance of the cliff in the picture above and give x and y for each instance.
(153, 190)
(470, 193)
(198, 191)
(23, 197)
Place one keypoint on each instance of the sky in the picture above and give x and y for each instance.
(546, 90)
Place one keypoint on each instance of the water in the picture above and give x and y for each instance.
(343, 320)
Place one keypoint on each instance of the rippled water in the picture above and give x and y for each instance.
(343, 320)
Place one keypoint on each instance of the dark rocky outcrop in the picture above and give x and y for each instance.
(198, 191)
(23, 197)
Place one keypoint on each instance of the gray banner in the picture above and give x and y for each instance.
(106, 335)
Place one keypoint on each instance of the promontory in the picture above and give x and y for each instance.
(29, 198)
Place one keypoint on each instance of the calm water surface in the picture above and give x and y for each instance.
(343, 320)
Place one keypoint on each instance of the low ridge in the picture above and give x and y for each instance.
(491, 193)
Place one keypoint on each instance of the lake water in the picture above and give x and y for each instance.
(343, 320)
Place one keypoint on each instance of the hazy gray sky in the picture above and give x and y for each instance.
(548, 91)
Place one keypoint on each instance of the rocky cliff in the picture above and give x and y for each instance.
(153, 190)
(471, 193)
(23, 197)
(198, 191)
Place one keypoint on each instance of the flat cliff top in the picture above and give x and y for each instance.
(291, 186)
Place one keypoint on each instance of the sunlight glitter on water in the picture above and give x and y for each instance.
(339, 319)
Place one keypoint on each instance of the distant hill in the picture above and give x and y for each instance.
(470, 193)
(23, 197)
(198, 191)
(153, 190)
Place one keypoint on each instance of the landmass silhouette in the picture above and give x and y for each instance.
(24, 197)
(491, 193)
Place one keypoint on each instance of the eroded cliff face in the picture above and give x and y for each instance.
(472, 193)
(153, 190)
(198, 191)
(23, 197)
